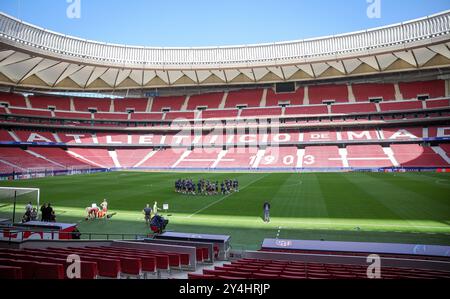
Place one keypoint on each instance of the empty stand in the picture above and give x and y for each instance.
(31, 112)
(305, 110)
(401, 106)
(124, 105)
(411, 90)
(72, 115)
(179, 156)
(84, 104)
(209, 100)
(112, 138)
(446, 148)
(439, 131)
(175, 259)
(34, 270)
(5, 136)
(200, 158)
(320, 93)
(111, 116)
(179, 115)
(45, 102)
(24, 160)
(163, 158)
(60, 156)
(292, 98)
(5, 167)
(430, 104)
(228, 113)
(10, 272)
(91, 265)
(96, 261)
(261, 112)
(321, 156)
(29, 136)
(366, 91)
(13, 99)
(279, 157)
(405, 133)
(146, 116)
(173, 103)
(367, 156)
(354, 108)
(415, 155)
(274, 269)
(131, 157)
(248, 97)
(76, 138)
(99, 157)
(238, 158)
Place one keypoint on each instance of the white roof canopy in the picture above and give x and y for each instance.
(34, 57)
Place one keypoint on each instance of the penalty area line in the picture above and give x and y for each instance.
(226, 196)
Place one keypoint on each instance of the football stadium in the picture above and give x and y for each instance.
(319, 158)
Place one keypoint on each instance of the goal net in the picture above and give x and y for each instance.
(14, 200)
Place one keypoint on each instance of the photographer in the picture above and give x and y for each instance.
(158, 224)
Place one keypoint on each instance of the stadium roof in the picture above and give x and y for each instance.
(33, 57)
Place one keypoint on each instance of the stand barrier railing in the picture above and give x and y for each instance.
(18, 235)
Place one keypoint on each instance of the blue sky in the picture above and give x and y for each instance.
(212, 22)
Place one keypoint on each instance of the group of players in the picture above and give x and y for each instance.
(206, 187)
(94, 212)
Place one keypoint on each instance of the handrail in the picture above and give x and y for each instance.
(23, 34)
(83, 235)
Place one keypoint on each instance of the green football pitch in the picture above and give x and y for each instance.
(372, 207)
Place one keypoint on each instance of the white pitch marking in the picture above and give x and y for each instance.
(294, 184)
(278, 233)
(439, 182)
(226, 196)
(327, 223)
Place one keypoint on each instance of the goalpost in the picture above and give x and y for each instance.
(13, 201)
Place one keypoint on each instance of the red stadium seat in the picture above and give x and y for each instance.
(411, 90)
(10, 272)
(44, 102)
(138, 105)
(209, 100)
(49, 271)
(31, 112)
(293, 98)
(266, 276)
(173, 103)
(320, 93)
(401, 106)
(306, 110)
(249, 97)
(287, 276)
(84, 104)
(13, 99)
(220, 114)
(28, 267)
(366, 91)
(200, 276)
